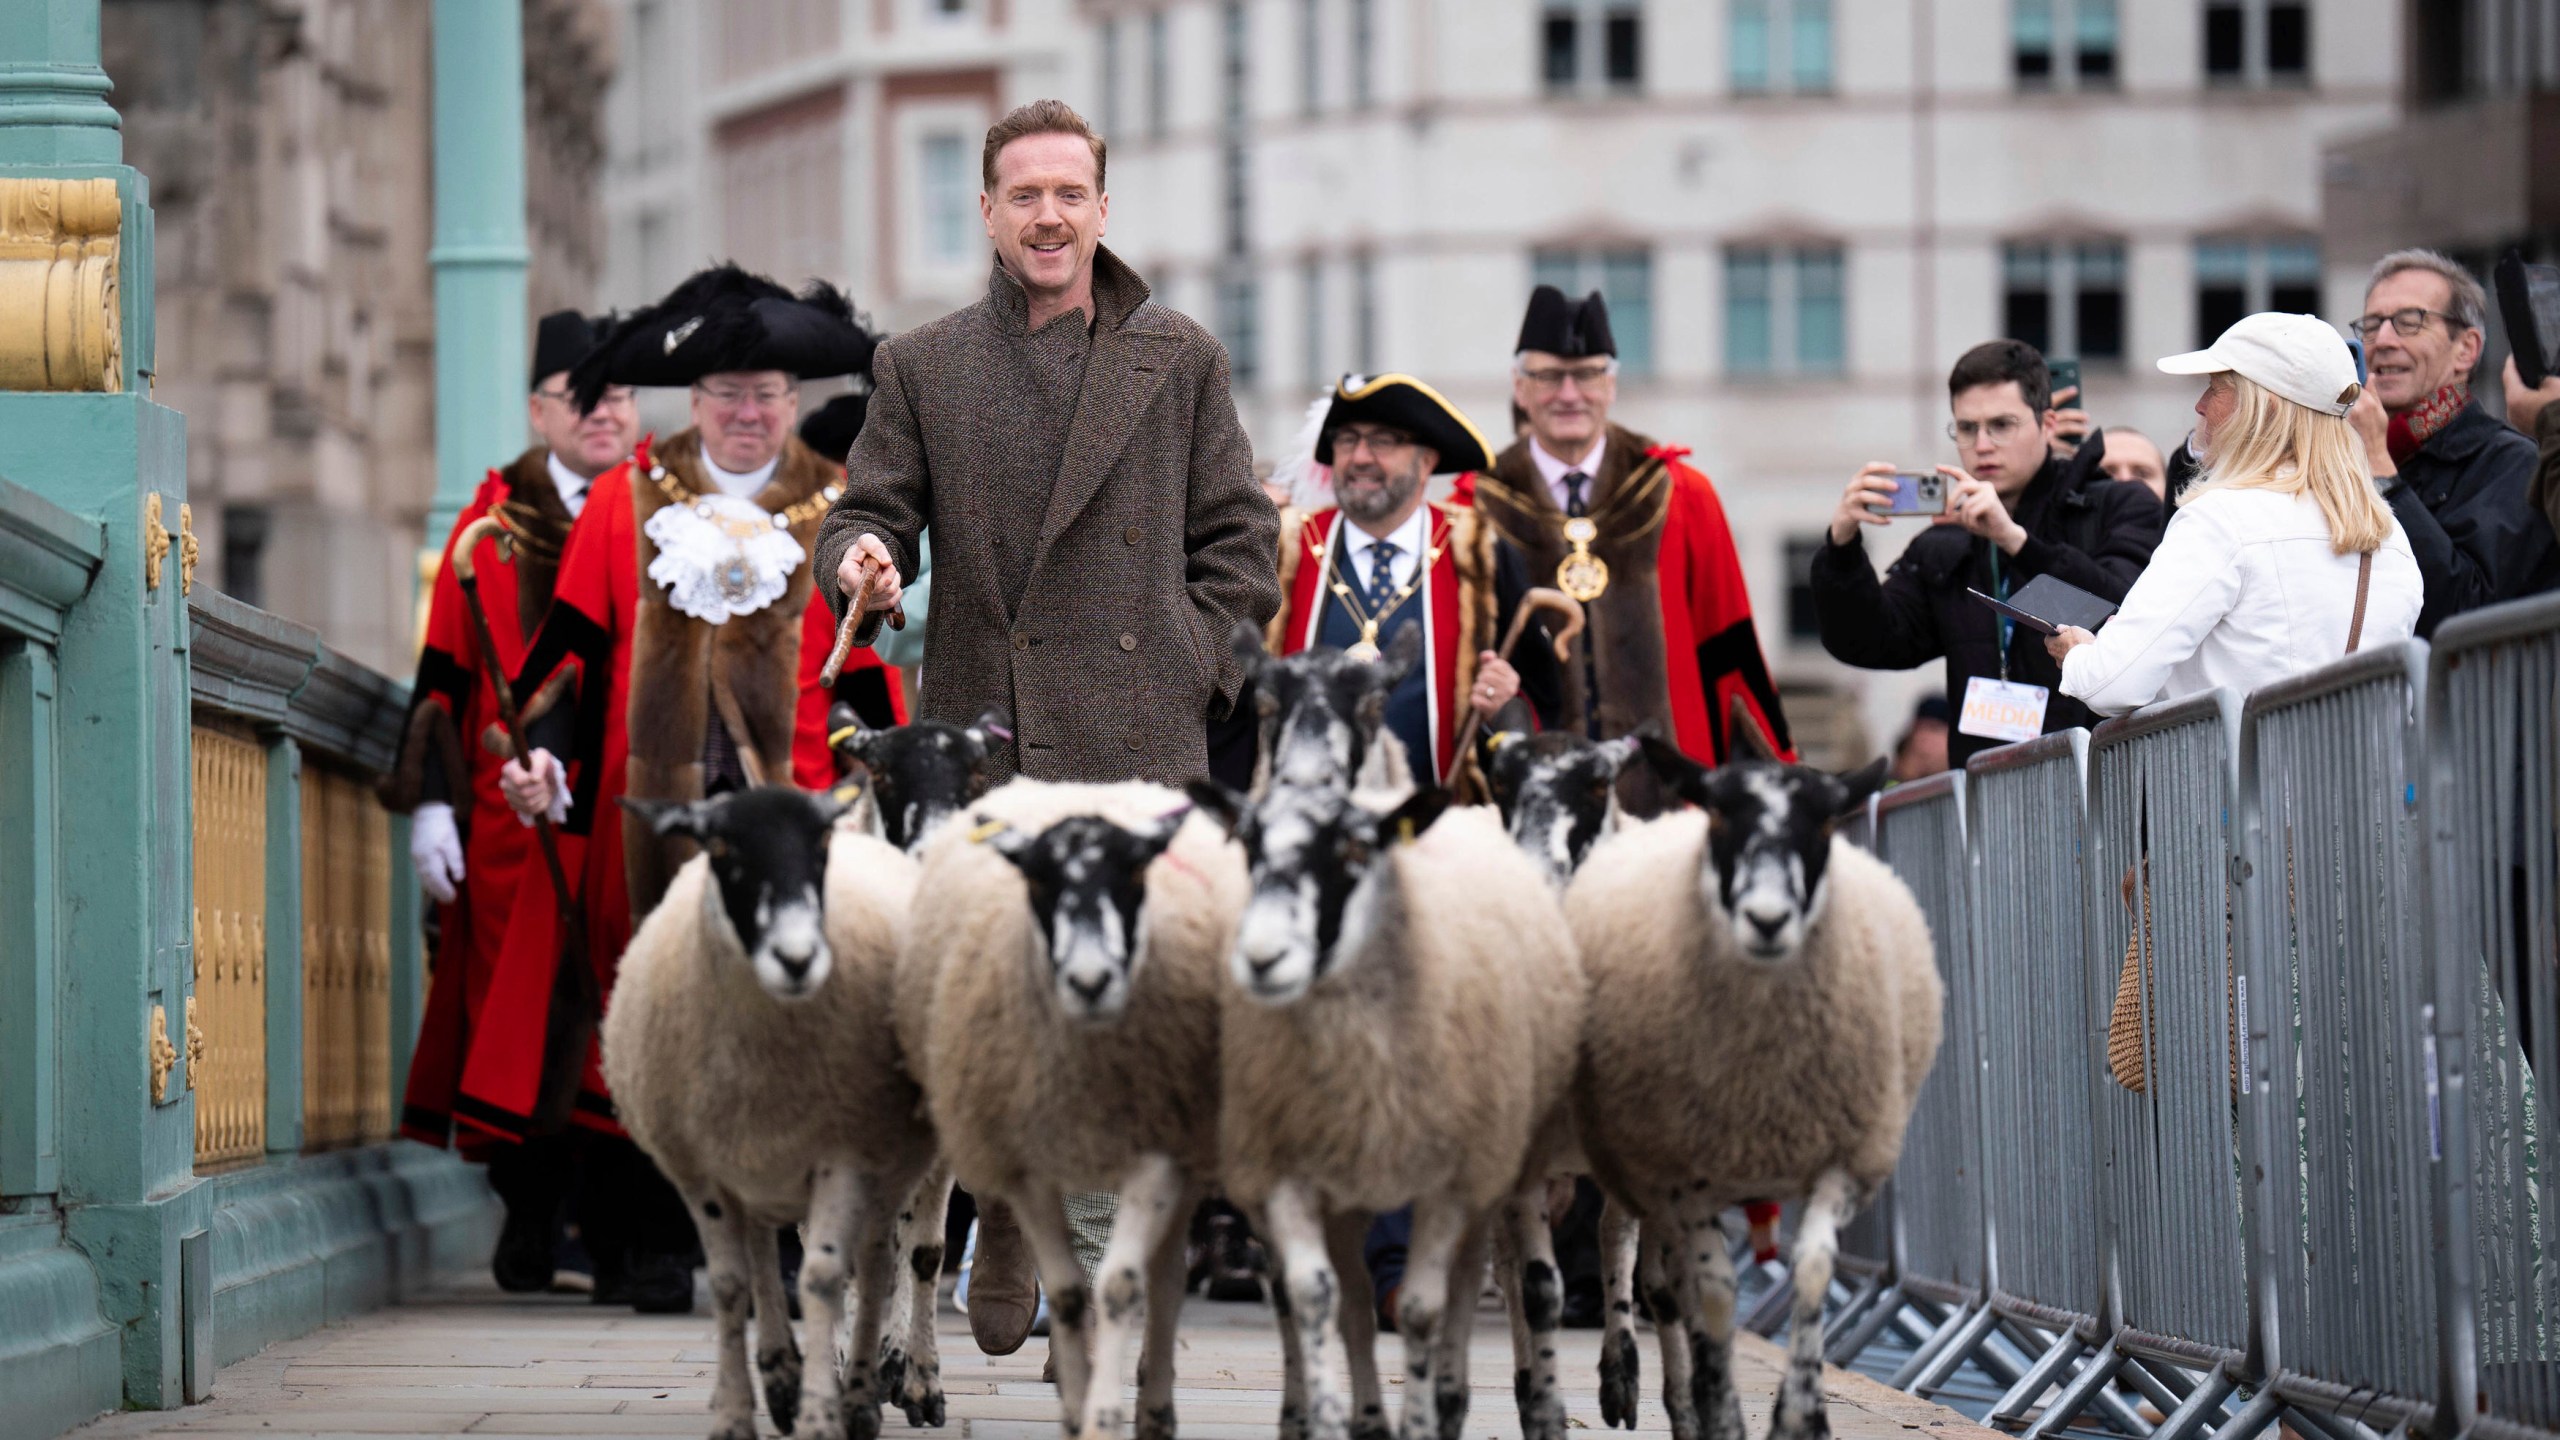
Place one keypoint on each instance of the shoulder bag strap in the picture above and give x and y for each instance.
(2364, 582)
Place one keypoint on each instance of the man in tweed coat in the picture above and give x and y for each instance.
(1097, 531)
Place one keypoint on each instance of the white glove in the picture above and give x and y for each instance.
(538, 789)
(435, 850)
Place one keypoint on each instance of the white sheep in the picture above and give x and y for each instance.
(1062, 1012)
(1764, 1007)
(750, 1052)
(1403, 1009)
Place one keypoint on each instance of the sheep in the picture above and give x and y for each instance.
(1063, 1015)
(750, 1053)
(1764, 1007)
(1402, 1011)
(1322, 715)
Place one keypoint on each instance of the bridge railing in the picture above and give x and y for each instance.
(2354, 1220)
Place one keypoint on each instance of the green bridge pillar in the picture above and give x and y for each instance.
(480, 251)
(124, 1192)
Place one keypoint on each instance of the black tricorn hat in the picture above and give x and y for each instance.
(1567, 328)
(831, 428)
(725, 319)
(560, 340)
(1406, 404)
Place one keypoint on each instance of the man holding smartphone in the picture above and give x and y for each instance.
(2014, 511)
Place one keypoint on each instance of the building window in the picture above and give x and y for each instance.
(1310, 57)
(1364, 312)
(1781, 44)
(244, 552)
(2257, 42)
(1239, 327)
(943, 184)
(2063, 44)
(2236, 277)
(1159, 76)
(1234, 155)
(1311, 296)
(1785, 310)
(1624, 277)
(1592, 46)
(1801, 624)
(1364, 40)
(1108, 42)
(2065, 298)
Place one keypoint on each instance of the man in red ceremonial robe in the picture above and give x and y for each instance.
(464, 841)
(1622, 524)
(686, 613)
(1382, 558)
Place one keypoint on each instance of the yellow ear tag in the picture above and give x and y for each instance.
(841, 736)
(1404, 830)
(987, 831)
(846, 793)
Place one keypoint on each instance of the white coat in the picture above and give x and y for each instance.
(2244, 589)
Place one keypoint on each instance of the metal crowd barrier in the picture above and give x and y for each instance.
(2161, 789)
(2493, 790)
(1937, 1234)
(2338, 1080)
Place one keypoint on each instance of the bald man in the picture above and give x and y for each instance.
(2131, 456)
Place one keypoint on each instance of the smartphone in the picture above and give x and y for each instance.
(2355, 347)
(2529, 301)
(1916, 492)
(2066, 376)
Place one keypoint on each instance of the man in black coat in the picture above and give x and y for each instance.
(2460, 482)
(2014, 512)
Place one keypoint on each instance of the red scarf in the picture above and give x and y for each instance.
(2416, 425)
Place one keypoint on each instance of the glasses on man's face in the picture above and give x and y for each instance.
(2001, 428)
(2408, 322)
(1551, 378)
(1382, 444)
(734, 397)
(615, 397)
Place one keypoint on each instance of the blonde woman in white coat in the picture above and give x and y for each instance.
(2274, 550)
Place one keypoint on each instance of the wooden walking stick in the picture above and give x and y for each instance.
(852, 621)
(1538, 598)
(575, 1001)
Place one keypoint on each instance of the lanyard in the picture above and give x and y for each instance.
(2008, 627)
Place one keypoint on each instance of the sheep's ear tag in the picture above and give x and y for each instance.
(846, 793)
(988, 830)
(841, 736)
(1404, 830)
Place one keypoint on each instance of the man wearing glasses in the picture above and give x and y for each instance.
(2459, 481)
(1638, 536)
(687, 619)
(2014, 511)
(468, 851)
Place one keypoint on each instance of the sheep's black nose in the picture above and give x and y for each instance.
(1261, 967)
(795, 967)
(1088, 993)
(1767, 925)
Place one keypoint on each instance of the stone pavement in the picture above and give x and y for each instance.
(471, 1361)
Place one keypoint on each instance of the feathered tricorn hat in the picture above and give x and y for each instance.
(724, 320)
(1406, 404)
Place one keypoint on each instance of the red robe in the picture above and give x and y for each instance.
(453, 681)
(590, 628)
(1449, 636)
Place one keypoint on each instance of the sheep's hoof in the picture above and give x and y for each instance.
(1372, 1425)
(861, 1422)
(824, 1422)
(1293, 1420)
(1449, 1396)
(921, 1399)
(780, 1370)
(1621, 1380)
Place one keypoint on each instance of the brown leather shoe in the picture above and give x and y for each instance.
(1003, 1292)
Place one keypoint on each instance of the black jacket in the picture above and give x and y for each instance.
(2465, 498)
(2082, 528)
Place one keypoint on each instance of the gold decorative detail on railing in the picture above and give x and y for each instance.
(59, 323)
(231, 944)
(164, 1056)
(195, 1043)
(186, 548)
(346, 962)
(155, 541)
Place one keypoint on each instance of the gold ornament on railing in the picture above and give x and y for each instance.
(195, 1043)
(164, 1056)
(59, 323)
(155, 541)
(186, 548)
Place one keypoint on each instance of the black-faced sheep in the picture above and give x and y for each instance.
(1764, 1006)
(1062, 1012)
(1322, 717)
(750, 1052)
(1402, 1011)
(916, 775)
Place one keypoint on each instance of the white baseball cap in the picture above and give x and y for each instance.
(2300, 357)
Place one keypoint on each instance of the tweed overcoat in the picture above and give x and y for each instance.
(1152, 541)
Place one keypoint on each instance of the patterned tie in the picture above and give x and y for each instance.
(1382, 577)
(1574, 480)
